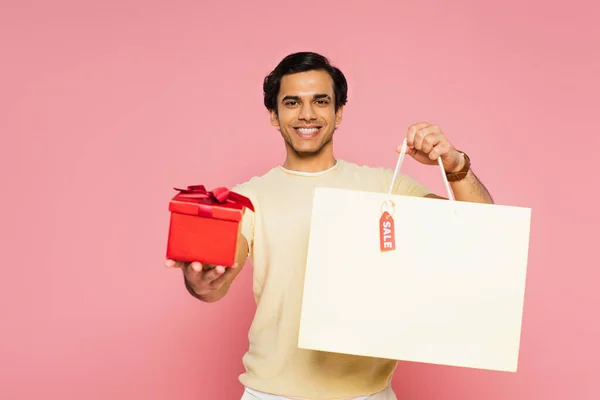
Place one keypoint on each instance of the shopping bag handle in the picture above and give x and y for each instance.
(399, 163)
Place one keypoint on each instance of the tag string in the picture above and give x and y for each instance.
(399, 163)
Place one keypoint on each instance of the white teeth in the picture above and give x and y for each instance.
(308, 131)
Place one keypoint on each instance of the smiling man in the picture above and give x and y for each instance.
(306, 109)
(305, 96)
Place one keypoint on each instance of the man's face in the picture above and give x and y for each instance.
(306, 111)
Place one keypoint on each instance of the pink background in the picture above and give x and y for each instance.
(106, 106)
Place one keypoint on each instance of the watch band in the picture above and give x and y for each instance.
(457, 176)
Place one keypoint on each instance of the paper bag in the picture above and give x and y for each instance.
(415, 279)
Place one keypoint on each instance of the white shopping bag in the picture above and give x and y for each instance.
(449, 290)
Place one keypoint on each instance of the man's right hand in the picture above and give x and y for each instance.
(207, 282)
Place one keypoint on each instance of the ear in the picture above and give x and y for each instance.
(274, 118)
(338, 116)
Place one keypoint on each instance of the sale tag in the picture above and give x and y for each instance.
(387, 235)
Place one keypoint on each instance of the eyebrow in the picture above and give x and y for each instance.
(315, 97)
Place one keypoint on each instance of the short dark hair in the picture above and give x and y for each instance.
(303, 62)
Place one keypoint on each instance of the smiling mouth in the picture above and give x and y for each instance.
(308, 132)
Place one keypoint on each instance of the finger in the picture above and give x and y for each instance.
(206, 267)
(412, 130)
(217, 283)
(193, 271)
(196, 267)
(175, 264)
(422, 133)
(430, 140)
(212, 274)
(411, 152)
(438, 150)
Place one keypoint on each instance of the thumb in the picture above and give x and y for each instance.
(409, 150)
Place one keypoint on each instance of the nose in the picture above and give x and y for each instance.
(307, 113)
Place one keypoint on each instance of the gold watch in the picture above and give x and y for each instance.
(457, 176)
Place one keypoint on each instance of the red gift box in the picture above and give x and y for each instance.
(204, 225)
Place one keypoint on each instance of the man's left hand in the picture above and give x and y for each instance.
(426, 142)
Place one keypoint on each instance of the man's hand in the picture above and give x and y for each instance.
(207, 282)
(426, 143)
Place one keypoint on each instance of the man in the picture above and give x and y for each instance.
(305, 97)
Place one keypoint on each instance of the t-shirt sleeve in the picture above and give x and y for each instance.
(406, 185)
(248, 219)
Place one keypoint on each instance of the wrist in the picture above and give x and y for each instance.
(460, 164)
(461, 170)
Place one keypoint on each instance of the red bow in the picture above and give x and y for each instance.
(220, 195)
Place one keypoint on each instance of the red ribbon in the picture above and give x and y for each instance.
(219, 195)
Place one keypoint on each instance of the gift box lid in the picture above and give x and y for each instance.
(219, 203)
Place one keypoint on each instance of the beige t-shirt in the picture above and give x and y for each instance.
(277, 233)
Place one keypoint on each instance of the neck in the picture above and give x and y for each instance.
(309, 164)
(316, 162)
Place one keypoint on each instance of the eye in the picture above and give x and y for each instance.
(322, 102)
(291, 103)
